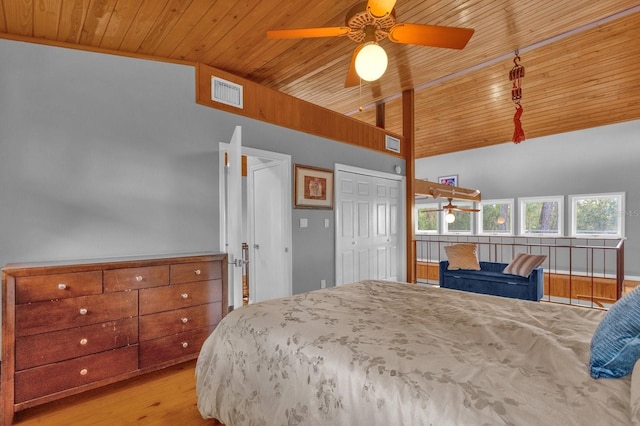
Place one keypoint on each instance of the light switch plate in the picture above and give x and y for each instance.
(304, 222)
(326, 223)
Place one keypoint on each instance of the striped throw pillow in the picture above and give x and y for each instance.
(523, 264)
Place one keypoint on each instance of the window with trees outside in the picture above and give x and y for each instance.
(597, 215)
(463, 223)
(541, 216)
(495, 217)
(427, 218)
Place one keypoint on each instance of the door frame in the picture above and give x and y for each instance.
(285, 161)
(402, 226)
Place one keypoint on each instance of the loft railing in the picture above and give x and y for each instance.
(578, 271)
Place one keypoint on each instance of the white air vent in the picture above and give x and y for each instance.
(392, 144)
(226, 92)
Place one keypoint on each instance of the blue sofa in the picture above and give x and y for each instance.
(491, 280)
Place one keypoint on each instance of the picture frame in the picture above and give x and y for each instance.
(448, 180)
(313, 187)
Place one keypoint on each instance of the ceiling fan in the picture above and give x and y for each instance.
(369, 22)
(450, 208)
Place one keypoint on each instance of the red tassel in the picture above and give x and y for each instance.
(518, 134)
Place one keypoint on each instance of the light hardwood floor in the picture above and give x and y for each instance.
(165, 397)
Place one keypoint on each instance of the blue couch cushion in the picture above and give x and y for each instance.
(615, 346)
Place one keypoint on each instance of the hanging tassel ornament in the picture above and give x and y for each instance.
(515, 76)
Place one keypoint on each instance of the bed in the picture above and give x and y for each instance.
(386, 353)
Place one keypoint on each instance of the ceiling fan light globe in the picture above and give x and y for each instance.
(450, 217)
(371, 62)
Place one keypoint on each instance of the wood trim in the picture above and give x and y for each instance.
(271, 106)
(408, 129)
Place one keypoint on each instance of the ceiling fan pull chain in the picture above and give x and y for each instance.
(515, 75)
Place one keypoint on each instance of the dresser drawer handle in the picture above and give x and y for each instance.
(83, 341)
(83, 311)
(62, 286)
(197, 272)
(185, 344)
(84, 372)
(184, 295)
(185, 320)
(138, 278)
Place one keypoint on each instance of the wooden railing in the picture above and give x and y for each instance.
(586, 272)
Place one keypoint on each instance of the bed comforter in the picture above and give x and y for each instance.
(384, 353)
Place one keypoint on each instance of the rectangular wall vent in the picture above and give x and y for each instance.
(392, 144)
(226, 92)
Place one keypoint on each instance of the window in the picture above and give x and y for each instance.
(462, 223)
(541, 216)
(496, 217)
(597, 215)
(427, 222)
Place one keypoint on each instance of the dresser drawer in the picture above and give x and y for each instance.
(40, 349)
(168, 348)
(52, 378)
(58, 286)
(135, 278)
(160, 299)
(53, 315)
(196, 271)
(180, 320)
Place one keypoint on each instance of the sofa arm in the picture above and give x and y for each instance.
(536, 280)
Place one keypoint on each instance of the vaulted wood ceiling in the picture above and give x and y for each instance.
(580, 57)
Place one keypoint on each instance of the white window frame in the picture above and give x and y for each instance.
(508, 201)
(522, 214)
(573, 214)
(431, 205)
(445, 225)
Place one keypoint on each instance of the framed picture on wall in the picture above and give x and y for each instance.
(448, 180)
(313, 187)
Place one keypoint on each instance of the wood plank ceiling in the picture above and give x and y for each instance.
(580, 57)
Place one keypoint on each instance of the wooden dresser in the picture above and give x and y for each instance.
(71, 327)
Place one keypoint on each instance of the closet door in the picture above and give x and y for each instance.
(354, 260)
(368, 227)
(385, 230)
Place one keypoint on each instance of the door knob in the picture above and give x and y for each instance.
(256, 246)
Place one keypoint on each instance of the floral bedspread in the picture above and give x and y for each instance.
(384, 353)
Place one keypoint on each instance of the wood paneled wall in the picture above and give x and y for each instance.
(271, 106)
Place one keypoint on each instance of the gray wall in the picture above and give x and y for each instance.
(603, 159)
(102, 155)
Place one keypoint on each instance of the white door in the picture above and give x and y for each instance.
(385, 233)
(233, 215)
(354, 261)
(267, 230)
(369, 227)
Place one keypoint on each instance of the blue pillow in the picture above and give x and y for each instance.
(615, 346)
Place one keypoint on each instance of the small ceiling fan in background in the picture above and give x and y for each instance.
(450, 208)
(369, 22)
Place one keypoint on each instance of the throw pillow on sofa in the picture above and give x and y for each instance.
(524, 264)
(462, 256)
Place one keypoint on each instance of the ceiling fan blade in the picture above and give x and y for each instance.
(353, 79)
(462, 209)
(309, 32)
(380, 8)
(431, 35)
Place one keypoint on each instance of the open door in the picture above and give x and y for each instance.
(233, 215)
(268, 216)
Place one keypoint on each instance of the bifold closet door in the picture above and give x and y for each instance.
(367, 233)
